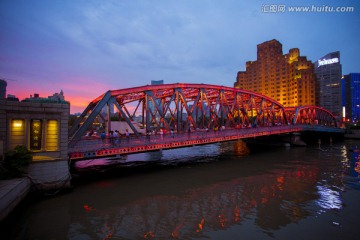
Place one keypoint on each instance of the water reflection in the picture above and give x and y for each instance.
(267, 190)
(329, 198)
(213, 207)
(187, 212)
(356, 156)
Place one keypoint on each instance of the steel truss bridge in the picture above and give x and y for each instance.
(186, 115)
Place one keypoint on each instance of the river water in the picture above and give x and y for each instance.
(219, 191)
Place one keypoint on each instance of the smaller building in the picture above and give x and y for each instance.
(55, 98)
(11, 97)
(157, 82)
(350, 93)
(157, 101)
(41, 127)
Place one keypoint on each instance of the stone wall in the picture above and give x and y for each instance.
(47, 175)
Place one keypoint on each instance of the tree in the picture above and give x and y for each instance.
(15, 162)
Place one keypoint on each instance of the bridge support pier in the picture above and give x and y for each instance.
(49, 175)
(295, 140)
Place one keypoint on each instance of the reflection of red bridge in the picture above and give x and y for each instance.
(269, 198)
(195, 113)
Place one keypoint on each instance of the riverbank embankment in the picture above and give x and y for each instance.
(42, 176)
(352, 134)
(12, 192)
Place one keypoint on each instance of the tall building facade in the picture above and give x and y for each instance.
(350, 95)
(287, 78)
(329, 72)
(3, 85)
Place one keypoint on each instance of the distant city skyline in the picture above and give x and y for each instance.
(88, 47)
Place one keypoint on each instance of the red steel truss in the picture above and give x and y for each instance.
(312, 115)
(183, 107)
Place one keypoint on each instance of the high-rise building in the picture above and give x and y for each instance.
(287, 78)
(3, 85)
(350, 93)
(328, 72)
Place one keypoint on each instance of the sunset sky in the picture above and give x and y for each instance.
(86, 47)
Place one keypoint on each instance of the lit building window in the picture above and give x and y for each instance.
(17, 124)
(17, 133)
(52, 135)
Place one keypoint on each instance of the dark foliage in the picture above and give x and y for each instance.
(15, 162)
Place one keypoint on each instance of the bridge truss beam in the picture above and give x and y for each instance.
(313, 115)
(186, 107)
(183, 107)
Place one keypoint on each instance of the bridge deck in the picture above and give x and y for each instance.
(96, 147)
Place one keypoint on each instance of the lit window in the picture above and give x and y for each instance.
(17, 123)
(17, 133)
(52, 135)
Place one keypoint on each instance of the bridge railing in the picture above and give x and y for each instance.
(93, 143)
(322, 128)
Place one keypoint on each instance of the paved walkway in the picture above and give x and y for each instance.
(12, 192)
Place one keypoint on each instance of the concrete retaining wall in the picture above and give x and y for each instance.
(12, 192)
(353, 134)
(42, 176)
